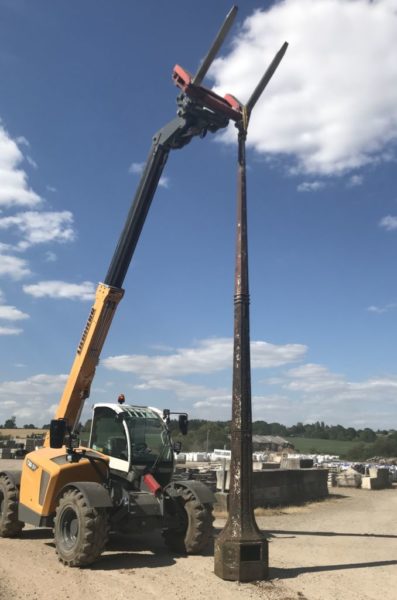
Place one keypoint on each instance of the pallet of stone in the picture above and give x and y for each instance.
(349, 478)
(378, 479)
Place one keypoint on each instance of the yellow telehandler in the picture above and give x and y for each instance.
(123, 480)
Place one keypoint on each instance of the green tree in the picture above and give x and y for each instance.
(367, 435)
(260, 428)
(359, 452)
(10, 423)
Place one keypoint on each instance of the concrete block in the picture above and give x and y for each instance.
(381, 474)
(349, 478)
(379, 482)
(296, 463)
(367, 483)
(275, 487)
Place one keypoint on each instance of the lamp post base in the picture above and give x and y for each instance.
(241, 560)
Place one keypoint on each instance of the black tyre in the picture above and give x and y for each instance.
(80, 531)
(10, 526)
(195, 531)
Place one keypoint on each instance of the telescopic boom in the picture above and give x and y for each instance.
(196, 115)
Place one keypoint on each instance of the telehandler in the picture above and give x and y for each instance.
(123, 481)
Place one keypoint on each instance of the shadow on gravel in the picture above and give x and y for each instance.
(129, 551)
(36, 534)
(276, 573)
(284, 533)
(132, 552)
(140, 551)
(111, 561)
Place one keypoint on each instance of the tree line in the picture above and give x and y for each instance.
(207, 435)
(11, 423)
(204, 436)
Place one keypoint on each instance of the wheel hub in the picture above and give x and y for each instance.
(69, 527)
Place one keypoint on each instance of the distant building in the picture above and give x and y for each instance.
(272, 443)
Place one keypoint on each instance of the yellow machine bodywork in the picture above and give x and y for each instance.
(77, 387)
(46, 472)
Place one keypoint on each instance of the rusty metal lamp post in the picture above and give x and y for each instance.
(241, 550)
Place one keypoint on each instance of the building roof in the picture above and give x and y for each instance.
(270, 439)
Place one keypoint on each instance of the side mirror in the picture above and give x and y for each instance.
(183, 424)
(57, 432)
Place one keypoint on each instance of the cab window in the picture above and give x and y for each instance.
(108, 434)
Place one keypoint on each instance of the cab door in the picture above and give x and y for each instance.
(109, 435)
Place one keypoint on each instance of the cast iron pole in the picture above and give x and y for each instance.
(241, 550)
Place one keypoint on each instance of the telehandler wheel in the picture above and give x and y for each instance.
(195, 531)
(10, 526)
(80, 531)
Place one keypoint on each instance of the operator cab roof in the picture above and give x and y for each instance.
(139, 412)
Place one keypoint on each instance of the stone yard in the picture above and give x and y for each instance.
(343, 548)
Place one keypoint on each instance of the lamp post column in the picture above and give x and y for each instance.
(241, 551)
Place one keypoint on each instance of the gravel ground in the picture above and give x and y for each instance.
(344, 548)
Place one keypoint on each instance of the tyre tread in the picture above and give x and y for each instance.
(10, 525)
(198, 533)
(95, 531)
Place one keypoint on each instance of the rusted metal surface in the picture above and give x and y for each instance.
(241, 552)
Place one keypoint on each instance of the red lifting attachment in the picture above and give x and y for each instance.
(228, 106)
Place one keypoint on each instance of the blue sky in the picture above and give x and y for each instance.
(84, 86)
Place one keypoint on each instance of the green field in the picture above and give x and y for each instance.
(318, 446)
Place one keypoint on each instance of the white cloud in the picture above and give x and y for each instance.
(182, 389)
(36, 385)
(265, 355)
(14, 187)
(12, 266)
(203, 397)
(209, 356)
(10, 313)
(164, 181)
(312, 378)
(10, 330)
(31, 162)
(61, 289)
(22, 141)
(51, 188)
(137, 169)
(50, 256)
(332, 104)
(355, 181)
(310, 186)
(389, 223)
(41, 227)
(31, 398)
(382, 309)
(319, 394)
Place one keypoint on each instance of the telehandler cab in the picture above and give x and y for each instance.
(123, 480)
